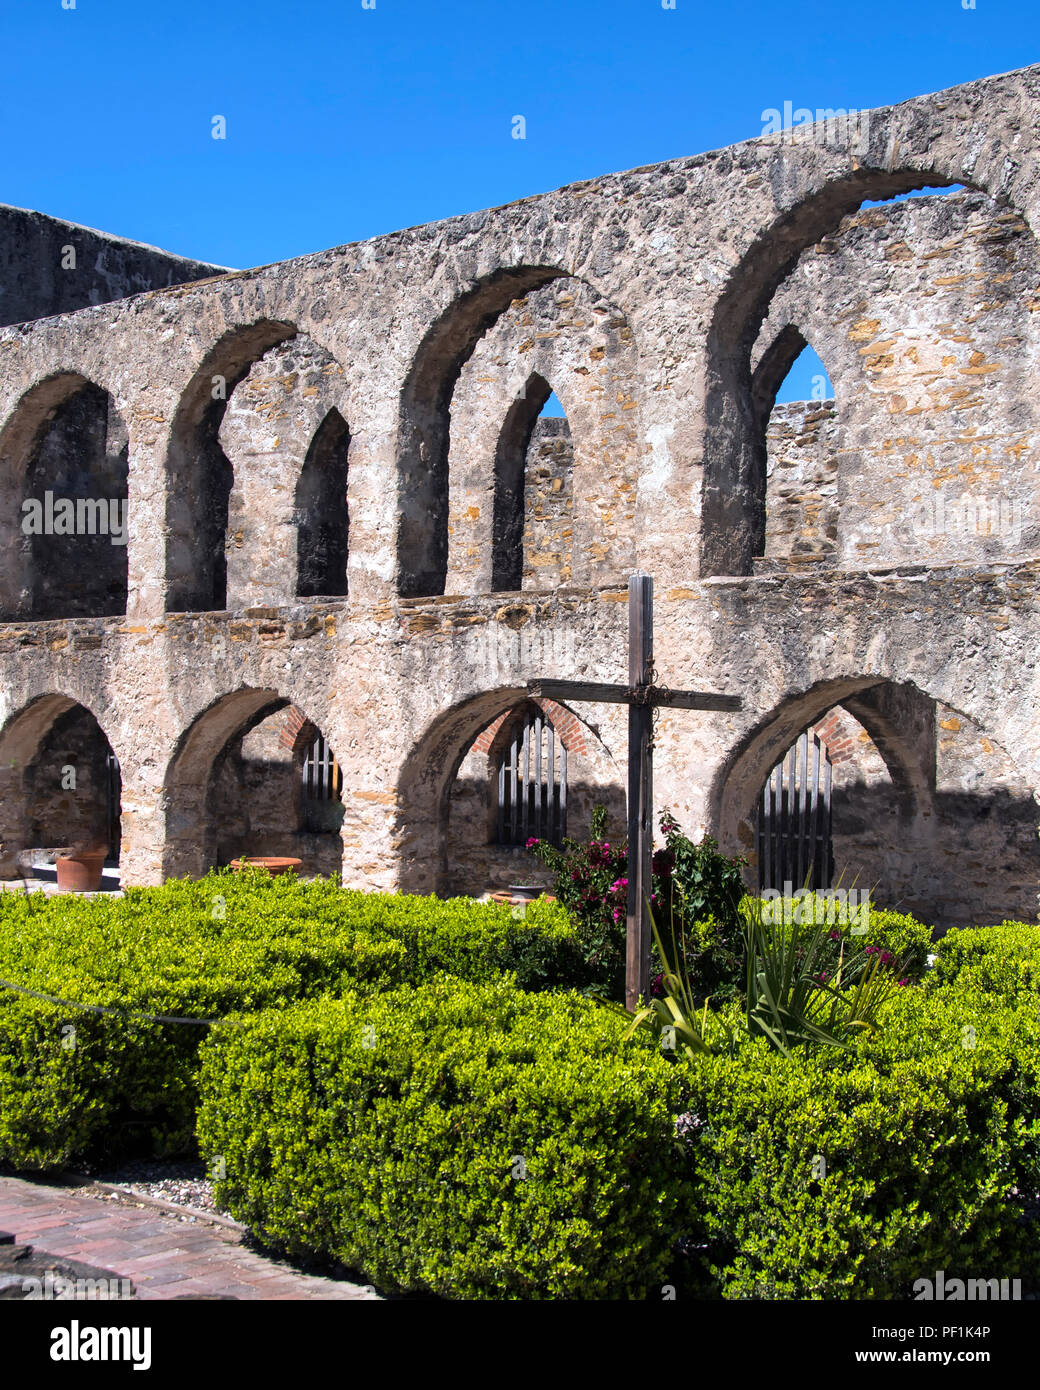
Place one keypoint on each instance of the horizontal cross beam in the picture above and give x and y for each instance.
(600, 693)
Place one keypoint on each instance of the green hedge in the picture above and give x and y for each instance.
(927, 1134)
(469, 1141)
(1003, 960)
(77, 1081)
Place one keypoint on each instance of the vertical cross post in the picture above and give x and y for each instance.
(640, 787)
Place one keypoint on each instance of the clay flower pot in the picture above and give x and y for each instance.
(80, 872)
(274, 864)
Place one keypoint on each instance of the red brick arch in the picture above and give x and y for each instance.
(566, 724)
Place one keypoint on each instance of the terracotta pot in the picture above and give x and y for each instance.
(517, 897)
(80, 873)
(274, 864)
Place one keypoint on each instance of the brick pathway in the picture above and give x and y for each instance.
(164, 1256)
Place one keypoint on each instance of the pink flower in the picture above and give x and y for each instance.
(532, 842)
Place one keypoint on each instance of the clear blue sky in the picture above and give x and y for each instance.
(345, 122)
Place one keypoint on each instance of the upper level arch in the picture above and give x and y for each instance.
(732, 519)
(425, 416)
(286, 444)
(64, 461)
(536, 502)
(199, 477)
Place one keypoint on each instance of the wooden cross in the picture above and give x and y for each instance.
(642, 696)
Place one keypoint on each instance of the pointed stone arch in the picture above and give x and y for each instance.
(199, 476)
(64, 466)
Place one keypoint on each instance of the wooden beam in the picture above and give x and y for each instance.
(694, 699)
(624, 694)
(640, 792)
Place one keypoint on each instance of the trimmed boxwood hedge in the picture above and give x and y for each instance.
(930, 1137)
(1003, 960)
(469, 1141)
(77, 1082)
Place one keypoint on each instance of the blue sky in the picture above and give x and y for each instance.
(345, 122)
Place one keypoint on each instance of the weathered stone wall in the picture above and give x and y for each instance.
(801, 483)
(409, 371)
(924, 315)
(39, 277)
(548, 530)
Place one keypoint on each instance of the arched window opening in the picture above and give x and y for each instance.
(733, 511)
(797, 423)
(322, 786)
(533, 498)
(321, 511)
(200, 476)
(74, 513)
(531, 782)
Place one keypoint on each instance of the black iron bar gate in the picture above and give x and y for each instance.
(794, 820)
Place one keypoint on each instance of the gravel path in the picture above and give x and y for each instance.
(184, 1183)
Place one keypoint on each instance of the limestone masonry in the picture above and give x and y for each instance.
(352, 534)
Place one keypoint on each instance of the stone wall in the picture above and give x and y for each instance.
(50, 266)
(801, 483)
(386, 397)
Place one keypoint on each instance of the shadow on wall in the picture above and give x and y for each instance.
(257, 802)
(975, 862)
(477, 863)
(71, 794)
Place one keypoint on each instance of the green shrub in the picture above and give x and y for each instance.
(76, 1081)
(1003, 960)
(929, 1134)
(471, 1141)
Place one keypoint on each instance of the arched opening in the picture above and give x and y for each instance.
(920, 804)
(534, 465)
(199, 476)
(65, 458)
(321, 511)
(422, 544)
(448, 818)
(62, 789)
(733, 511)
(796, 419)
(253, 776)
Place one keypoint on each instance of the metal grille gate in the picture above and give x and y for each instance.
(322, 778)
(794, 821)
(113, 798)
(532, 784)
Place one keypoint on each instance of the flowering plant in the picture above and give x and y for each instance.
(693, 885)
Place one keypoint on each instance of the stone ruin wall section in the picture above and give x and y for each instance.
(687, 254)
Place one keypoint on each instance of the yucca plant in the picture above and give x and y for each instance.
(675, 1017)
(795, 996)
(791, 1000)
